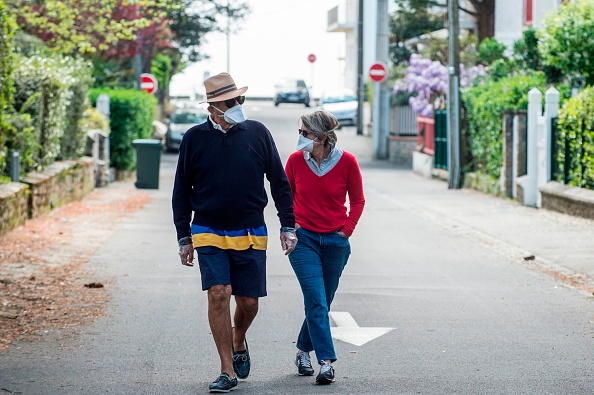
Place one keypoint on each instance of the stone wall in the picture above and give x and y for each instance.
(483, 183)
(566, 199)
(14, 205)
(401, 150)
(39, 193)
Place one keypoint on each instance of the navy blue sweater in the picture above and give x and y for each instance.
(220, 178)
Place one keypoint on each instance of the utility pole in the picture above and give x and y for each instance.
(454, 146)
(381, 94)
(360, 84)
(137, 62)
(228, 33)
(137, 70)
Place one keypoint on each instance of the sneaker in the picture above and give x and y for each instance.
(241, 362)
(303, 363)
(223, 383)
(326, 375)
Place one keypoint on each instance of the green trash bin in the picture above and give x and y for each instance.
(148, 161)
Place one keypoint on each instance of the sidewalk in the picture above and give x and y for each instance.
(556, 244)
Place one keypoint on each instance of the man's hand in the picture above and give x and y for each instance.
(288, 241)
(186, 251)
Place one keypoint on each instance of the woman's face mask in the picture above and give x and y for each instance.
(233, 115)
(305, 144)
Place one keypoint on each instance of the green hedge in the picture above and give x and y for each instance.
(576, 127)
(42, 91)
(7, 28)
(132, 115)
(50, 97)
(484, 106)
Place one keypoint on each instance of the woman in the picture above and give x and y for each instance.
(321, 176)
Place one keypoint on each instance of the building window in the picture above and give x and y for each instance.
(528, 12)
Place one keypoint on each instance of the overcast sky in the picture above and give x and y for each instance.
(274, 42)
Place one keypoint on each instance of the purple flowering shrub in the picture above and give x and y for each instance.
(427, 81)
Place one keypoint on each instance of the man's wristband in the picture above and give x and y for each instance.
(184, 241)
(285, 229)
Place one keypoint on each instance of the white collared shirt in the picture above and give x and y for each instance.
(327, 164)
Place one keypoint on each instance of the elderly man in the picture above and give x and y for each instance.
(220, 179)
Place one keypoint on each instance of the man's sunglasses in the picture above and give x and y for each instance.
(231, 102)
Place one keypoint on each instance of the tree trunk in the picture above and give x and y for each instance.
(485, 18)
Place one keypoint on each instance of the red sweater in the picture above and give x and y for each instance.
(319, 202)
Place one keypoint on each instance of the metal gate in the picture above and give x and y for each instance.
(441, 140)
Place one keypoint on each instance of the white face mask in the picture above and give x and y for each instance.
(305, 144)
(233, 115)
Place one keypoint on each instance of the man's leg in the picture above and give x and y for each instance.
(245, 312)
(219, 318)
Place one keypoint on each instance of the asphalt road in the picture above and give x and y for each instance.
(463, 314)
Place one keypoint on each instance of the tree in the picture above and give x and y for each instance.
(413, 18)
(112, 33)
(74, 27)
(484, 14)
(567, 40)
(190, 23)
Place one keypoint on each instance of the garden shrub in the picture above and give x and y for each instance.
(93, 120)
(41, 90)
(576, 127)
(73, 141)
(484, 105)
(526, 56)
(20, 136)
(490, 50)
(132, 114)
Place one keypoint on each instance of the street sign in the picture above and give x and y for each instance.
(148, 83)
(378, 72)
(311, 58)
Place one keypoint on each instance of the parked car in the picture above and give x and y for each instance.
(182, 119)
(291, 91)
(342, 104)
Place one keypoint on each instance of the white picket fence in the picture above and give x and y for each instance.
(538, 144)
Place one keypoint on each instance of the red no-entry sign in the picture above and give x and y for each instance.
(311, 58)
(378, 72)
(148, 83)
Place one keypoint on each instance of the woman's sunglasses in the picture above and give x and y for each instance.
(231, 102)
(304, 133)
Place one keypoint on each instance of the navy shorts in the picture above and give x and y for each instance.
(245, 270)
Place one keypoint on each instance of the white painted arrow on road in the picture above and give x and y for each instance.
(348, 331)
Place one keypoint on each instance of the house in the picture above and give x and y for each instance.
(343, 18)
(511, 18)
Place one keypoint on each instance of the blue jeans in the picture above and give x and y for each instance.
(318, 261)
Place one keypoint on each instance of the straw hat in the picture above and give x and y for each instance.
(222, 87)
